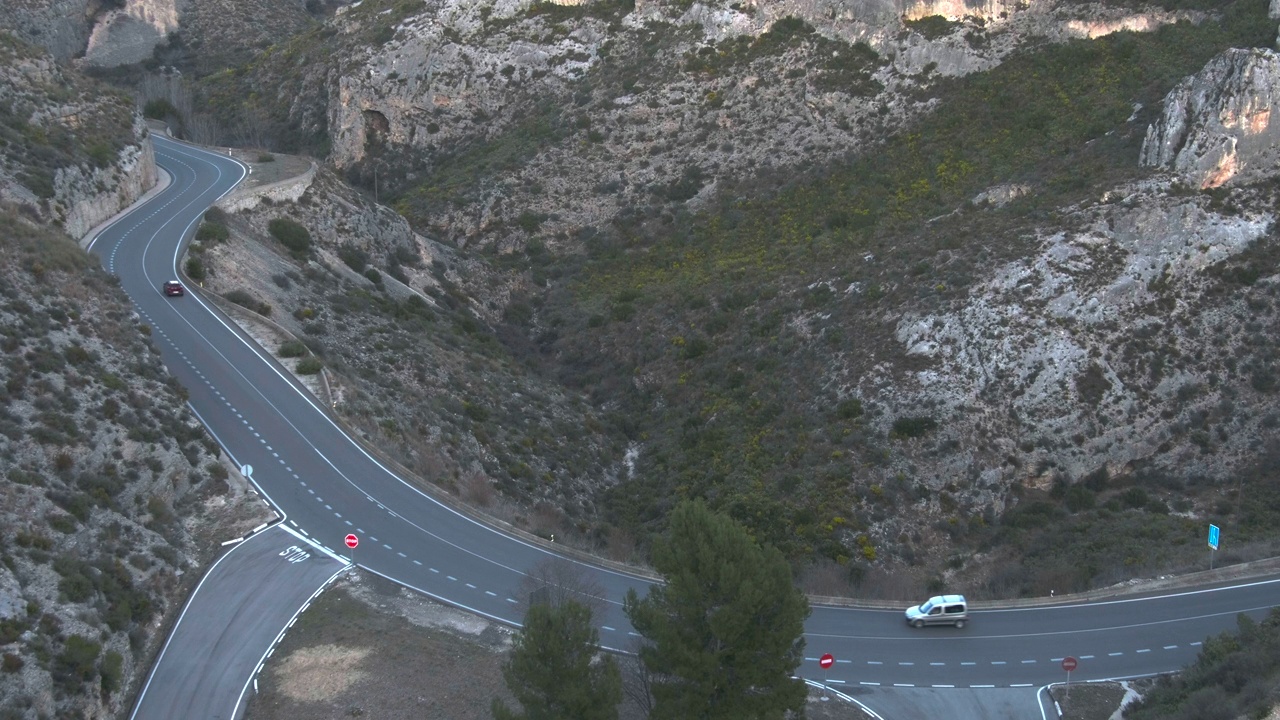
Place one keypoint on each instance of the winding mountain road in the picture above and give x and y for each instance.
(326, 486)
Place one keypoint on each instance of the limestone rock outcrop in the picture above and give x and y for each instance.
(130, 34)
(1216, 125)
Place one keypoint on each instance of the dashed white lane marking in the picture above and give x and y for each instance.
(944, 686)
(1116, 654)
(903, 685)
(1196, 644)
(313, 492)
(864, 682)
(606, 627)
(293, 523)
(1021, 685)
(937, 664)
(908, 664)
(348, 522)
(1086, 657)
(402, 555)
(1144, 651)
(473, 587)
(452, 578)
(288, 469)
(1028, 662)
(415, 562)
(874, 662)
(304, 484)
(1170, 647)
(982, 686)
(847, 662)
(968, 663)
(512, 601)
(386, 546)
(328, 506)
(997, 662)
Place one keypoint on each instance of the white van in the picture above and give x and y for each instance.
(939, 610)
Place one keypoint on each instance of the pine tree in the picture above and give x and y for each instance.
(552, 669)
(725, 632)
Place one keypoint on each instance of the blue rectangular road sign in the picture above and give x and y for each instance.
(1213, 537)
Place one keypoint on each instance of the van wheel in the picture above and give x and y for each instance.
(917, 623)
(959, 624)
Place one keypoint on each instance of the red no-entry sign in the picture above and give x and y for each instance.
(1069, 664)
(352, 541)
(826, 661)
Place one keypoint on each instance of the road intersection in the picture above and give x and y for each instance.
(326, 485)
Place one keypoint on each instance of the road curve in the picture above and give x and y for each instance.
(230, 624)
(327, 486)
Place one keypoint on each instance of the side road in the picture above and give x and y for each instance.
(234, 618)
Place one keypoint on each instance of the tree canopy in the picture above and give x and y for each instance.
(724, 634)
(553, 671)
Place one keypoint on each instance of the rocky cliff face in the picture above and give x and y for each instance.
(130, 34)
(87, 156)
(1222, 124)
(705, 100)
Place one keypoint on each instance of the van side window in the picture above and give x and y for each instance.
(952, 609)
(936, 611)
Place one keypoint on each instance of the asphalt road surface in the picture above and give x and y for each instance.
(230, 624)
(327, 486)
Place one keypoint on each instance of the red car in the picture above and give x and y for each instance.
(173, 287)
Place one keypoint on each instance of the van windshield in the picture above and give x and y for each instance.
(926, 607)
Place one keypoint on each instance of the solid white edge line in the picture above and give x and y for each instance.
(843, 696)
(191, 598)
(235, 711)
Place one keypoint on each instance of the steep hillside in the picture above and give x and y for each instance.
(896, 290)
(112, 496)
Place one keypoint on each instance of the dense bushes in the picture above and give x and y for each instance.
(292, 235)
(1234, 676)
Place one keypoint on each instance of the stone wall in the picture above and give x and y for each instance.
(248, 198)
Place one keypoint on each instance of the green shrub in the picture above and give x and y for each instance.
(849, 409)
(291, 234)
(266, 157)
(244, 299)
(912, 427)
(195, 269)
(12, 663)
(354, 257)
(159, 109)
(76, 663)
(292, 348)
(309, 366)
(112, 671)
(212, 233)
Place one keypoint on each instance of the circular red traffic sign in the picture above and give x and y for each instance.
(826, 661)
(352, 541)
(1069, 664)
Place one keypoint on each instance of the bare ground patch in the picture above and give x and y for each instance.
(368, 648)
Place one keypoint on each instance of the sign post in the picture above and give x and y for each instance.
(825, 662)
(1069, 664)
(1214, 533)
(352, 541)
